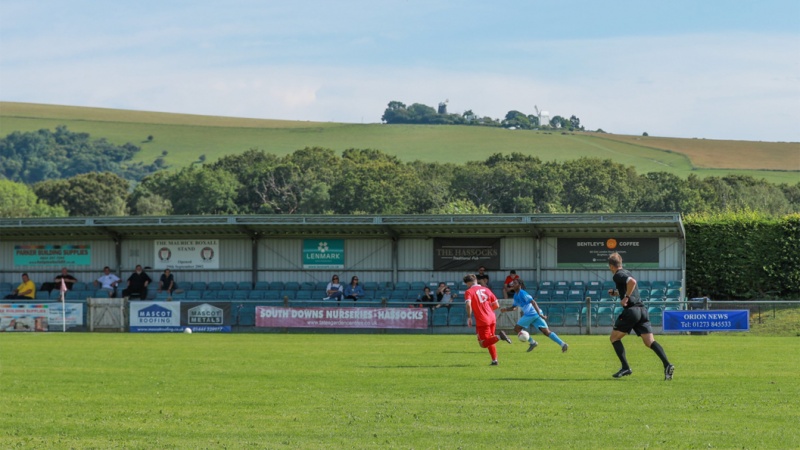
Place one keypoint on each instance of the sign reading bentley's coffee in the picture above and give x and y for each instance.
(466, 254)
(594, 252)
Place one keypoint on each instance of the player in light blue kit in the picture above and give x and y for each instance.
(531, 315)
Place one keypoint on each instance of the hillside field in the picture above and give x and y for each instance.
(186, 137)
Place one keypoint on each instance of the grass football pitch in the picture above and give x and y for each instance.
(90, 390)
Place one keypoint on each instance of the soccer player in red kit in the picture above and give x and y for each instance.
(482, 302)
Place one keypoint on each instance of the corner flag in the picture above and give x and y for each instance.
(63, 290)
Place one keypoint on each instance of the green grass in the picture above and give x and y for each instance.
(186, 137)
(83, 390)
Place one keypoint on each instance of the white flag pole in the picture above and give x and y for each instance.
(63, 306)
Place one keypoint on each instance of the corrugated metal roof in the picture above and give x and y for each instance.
(642, 224)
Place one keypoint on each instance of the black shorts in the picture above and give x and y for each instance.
(634, 318)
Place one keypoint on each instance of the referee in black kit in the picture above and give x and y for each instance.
(634, 317)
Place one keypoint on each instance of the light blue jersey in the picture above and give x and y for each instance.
(524, 301)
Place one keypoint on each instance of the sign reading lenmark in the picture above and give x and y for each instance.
(594, 252)
(323, 253)
(466, 254)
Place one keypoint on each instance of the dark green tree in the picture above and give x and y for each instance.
(89, 194)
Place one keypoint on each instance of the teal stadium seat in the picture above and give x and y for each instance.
(291, 286)
(230, 286)
(656, 316)
(244, 286)
(439, 317)
(214, 286)
(658, 285)
(276, 286)
(198, 286)
(261, 286)
(457, 316)
(256, 294)
(605, 316)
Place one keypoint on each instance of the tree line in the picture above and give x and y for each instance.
(31, 157)
(367, 181)
(398, 113)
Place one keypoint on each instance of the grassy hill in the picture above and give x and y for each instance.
(186, 137)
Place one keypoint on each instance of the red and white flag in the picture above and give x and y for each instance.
(63, 290)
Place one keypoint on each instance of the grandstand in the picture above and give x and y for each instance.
(260, 260)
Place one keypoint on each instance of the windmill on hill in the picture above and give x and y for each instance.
(443, 106)
(544, 117)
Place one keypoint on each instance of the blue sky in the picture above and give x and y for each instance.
(707, 69)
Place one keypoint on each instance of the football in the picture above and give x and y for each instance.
(523, 336)
(187, 330)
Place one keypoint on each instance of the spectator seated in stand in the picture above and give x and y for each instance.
(69, 281)
(108, 282)
(353, 291)
(137, 284)
(334, 290)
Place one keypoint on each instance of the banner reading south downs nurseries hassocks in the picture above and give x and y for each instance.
(323, 253)
(186, 254)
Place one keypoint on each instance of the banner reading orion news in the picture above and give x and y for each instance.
(703, 320)
(344, 317)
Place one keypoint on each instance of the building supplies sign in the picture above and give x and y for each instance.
(24, 317)
(209, 317)
(594, 252)
(52, 255)
(155, 317)
(466, 254)
(332, 317)
(186, 254)
(73, 315)
(323, 253)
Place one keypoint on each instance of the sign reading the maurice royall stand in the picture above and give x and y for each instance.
(52, 255)
(186, 254)
(323, 253)
(466, 254)
(594, 252)
(736, 320)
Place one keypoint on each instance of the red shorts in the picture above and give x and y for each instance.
(485, 331)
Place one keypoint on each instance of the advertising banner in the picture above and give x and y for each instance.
(154, 317)
(458, 254)
(735, 320)
(594, 252)
(73, 316)
(323, 253)
(186, 254)
(332, 317)
(24, 317)
(52, 255)
(206, 317)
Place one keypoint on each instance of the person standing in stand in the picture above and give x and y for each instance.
(482, 302)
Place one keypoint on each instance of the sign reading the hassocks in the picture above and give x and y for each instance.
(465, 254)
